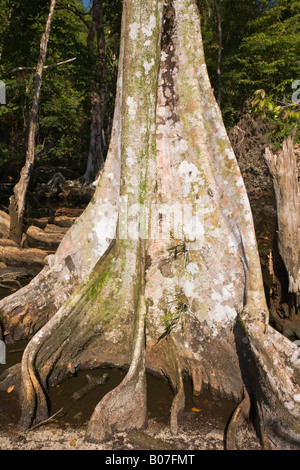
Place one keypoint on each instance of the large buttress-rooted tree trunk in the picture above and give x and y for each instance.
(173, 301)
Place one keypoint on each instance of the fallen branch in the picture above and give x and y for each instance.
(21, 69)
(93, 382)
(11, 281)
(45, 150)
(12, 256)
(45, 421)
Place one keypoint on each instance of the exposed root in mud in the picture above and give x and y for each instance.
(177, 405)
(124, 408)
(238, 418)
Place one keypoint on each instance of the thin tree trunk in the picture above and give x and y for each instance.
(98, 92)
(17, 200)
(220, 39)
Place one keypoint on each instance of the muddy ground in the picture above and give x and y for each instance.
(202, 425)
(55, 436)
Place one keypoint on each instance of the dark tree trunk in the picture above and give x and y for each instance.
(98, 92)
(220, 40)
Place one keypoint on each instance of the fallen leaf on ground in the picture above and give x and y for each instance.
(198, 410)
(10, 389)
(71, 368)
(73, 442)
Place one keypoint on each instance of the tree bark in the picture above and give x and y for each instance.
(17, 200)
(4, 224)
(220, 40)
(189, 299)
(283, 168)
(98, 92)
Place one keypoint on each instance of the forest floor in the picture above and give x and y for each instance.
(202, 425)
(57, 437)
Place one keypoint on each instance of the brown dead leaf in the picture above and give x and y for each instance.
(73, 443)
(10, 389)
(71, 368)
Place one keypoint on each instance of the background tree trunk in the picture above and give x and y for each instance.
(283, 168)
(17, 200)
(220, 40)
(98, 92)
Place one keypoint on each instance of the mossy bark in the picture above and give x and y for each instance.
(170, 303)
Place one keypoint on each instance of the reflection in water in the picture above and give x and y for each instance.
(199, 410)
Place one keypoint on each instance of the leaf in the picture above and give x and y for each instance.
(73, 443)
(72, 368)
(10, 389)
(198, 410)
